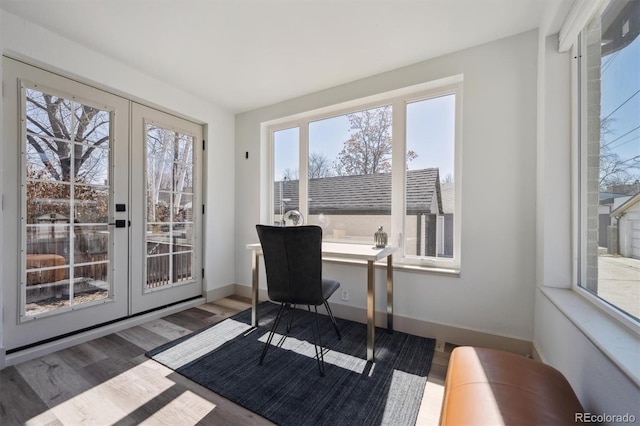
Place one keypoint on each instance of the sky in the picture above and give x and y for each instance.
(620, 101)
(430, 134)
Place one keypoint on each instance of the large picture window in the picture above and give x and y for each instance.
(609, 76)
(388, 164)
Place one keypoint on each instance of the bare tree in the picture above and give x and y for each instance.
(616, 171)
(319, 166)
(289, 174)
(368, 149)
(66, 139)
(169, 173)
(613, 169)
(66, 142)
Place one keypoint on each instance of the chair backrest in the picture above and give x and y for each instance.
(293, 263)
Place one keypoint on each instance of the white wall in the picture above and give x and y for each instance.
(495, 291)
(24, 40)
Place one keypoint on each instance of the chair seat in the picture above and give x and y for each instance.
(329, 287)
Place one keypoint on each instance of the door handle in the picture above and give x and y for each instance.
(120, 223)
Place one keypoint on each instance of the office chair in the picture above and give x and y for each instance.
(293, 265)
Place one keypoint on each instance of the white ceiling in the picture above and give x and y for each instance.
(244, 54)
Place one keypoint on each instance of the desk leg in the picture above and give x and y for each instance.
(371, 320)
(390, 294)
(254, 288)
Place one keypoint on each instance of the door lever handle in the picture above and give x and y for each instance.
(120, 223)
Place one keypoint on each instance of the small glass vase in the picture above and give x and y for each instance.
(380, 238)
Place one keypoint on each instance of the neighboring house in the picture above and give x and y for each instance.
(628, 217)
(447, 190)
(57, 224)
(608, 202)
(354, 206)
(611, 199)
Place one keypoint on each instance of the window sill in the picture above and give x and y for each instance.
(618, 342)
(450, 272)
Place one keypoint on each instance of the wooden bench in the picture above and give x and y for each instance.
(492, 387)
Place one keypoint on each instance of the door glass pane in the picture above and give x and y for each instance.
(350, 174)
(90, 282)
(65, 183)
(48, 116)
(93, 164)
(169, 193)
(91, 204)
(43, 158)
(430, 189)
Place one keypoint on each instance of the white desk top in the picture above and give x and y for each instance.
(346, 250)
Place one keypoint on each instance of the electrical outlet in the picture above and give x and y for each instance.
(345, 294)
(440, 345)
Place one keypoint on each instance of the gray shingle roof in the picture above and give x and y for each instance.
(362, 194)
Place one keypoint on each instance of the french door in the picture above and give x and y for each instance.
(89, 236)
(165, 191)
(65, 158)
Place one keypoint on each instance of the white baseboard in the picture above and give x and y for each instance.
(220, 293)
(244, 291)
(456, 335)
(536, 354)
(449, 334)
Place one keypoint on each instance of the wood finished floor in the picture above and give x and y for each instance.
(109, 381)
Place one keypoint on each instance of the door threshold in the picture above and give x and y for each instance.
(20, 355)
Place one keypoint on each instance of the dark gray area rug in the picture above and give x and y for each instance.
(288, 389)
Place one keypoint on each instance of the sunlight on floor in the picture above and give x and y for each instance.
(120, 396)
(303, 347)
(186, 409)
(429, 413)
(399, 388)
(201, 344)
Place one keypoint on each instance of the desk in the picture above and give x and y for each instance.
(343, 251)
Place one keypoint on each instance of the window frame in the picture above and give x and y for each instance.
(398, 99)
(579, 166)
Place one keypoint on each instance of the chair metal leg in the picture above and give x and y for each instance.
(271, 333)
(292, 309)
(333, 319)
(317, 341)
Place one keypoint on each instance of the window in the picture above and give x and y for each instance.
(349, 169)
(429, 185)
(286, 158)
(388, 163)
(609, 146)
